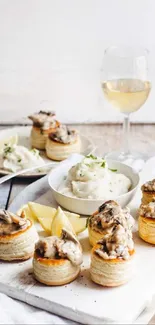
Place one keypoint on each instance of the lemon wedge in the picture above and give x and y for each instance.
(79, 224)
(25, 211)
(12, 140)
(60, 222)
(44, 214)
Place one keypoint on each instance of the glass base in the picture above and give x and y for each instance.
(134, 159)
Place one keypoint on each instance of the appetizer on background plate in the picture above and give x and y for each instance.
(43, 123)
(15, 158)
(63, 142)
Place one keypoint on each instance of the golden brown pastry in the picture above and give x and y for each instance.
(148, 192)
(112, 259)
(102, 222)
(57, 260)
(17, 237)
(146, 222)
(43, 124)
(61, 143)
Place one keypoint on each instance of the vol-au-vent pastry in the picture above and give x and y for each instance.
(146, 222)
(61, 143)
(17, 237)
(112, 259)
(43, 123)
(57, 260)
(148, 192)
(102, 222)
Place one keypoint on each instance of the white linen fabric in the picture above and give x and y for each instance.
(15, 312)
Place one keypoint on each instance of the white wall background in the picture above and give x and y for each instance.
(51, 52)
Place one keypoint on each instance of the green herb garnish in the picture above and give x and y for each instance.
(35, 151)
(103, 164)
(91, 156)
(113, 170)
(7, 150)
(19, 160)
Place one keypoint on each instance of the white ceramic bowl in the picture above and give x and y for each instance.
(89, 206)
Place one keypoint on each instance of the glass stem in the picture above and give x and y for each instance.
(126, 135)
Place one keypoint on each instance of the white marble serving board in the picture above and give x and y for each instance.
(82, 300)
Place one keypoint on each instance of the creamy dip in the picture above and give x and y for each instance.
(56, 248)
(92, 179)
(15, 158)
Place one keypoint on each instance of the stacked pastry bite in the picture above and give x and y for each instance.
(110, 233)
(58, 140)
(146, 220)
(102, 222)
(148, 192)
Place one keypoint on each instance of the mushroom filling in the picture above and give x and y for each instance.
(117, 245)
(56, 248)
(149, 186)
(64, 135)
(43, 120)
(11, 223)
(111, 214)
(147, 210)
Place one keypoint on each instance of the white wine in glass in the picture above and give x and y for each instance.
(126, 86)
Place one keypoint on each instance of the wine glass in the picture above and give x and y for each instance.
(125, 84)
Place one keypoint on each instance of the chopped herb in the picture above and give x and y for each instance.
(91, 156)
(41, 131)
(35, 152)
(5, 144)
(81, 175)
(19, 160)
(103, 164)
(113, 170)
(7, 150)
